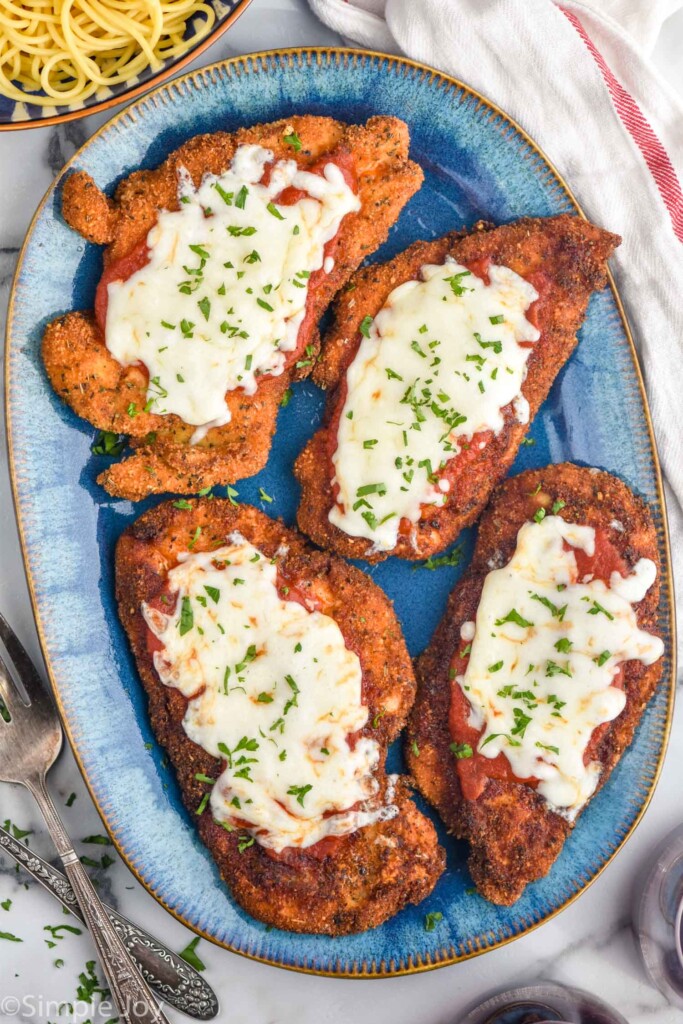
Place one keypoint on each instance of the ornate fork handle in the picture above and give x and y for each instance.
(165, 972)
(129, 989)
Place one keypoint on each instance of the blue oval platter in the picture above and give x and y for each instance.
(478, 164)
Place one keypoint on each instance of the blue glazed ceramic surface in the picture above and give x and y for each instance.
(477, 164)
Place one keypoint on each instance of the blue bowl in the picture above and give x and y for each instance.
(15, 114)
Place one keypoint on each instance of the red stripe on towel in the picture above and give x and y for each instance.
(642, 133)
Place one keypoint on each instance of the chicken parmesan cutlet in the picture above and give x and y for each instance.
(217, 268)
(277, 676)
(536, 678)
(437, 362)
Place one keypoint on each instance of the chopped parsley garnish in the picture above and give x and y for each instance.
(546, 746)
(107, 443)
(205, 307)
(299, 792)
(564, 645)
(365, 325)
(514, 616)
(521, 722)
(241, 197)
(227, 197)
(539, 515)
(597, 609)
(497, 667)
(461, 751)
(182, 504)
(432, 919)
(292, 140)
(263, 496)
(273, 210)
(497, 346)
(263, 304)
(453, 558)
(371, 489)
(553, 669)
(602, 658)
(557, 613)
(186, 616)
(455, 282)
(557, 505)
(213, 592)
(497, 735)
(286, 398)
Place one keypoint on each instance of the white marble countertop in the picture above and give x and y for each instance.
(590, 944)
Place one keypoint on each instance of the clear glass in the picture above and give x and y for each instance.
(657, 917)
(543, 1003)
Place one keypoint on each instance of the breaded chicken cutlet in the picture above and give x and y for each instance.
(359, 176)
(369, 858)
(536, 719)
(435, 364)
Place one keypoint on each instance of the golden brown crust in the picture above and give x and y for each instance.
(514, 837)
(374, 872)
(571, 252)
(98, 388)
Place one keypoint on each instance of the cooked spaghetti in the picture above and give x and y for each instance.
(60, 52)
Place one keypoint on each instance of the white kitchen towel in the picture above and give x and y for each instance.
(576, 77)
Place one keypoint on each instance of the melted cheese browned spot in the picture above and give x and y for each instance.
(273, 691)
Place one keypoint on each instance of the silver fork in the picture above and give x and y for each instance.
(29, 745)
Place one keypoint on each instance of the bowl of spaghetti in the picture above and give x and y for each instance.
(63, 59)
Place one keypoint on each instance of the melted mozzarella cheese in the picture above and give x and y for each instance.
(439, 363)
(545, 649)
(224, 293)
(275, 692)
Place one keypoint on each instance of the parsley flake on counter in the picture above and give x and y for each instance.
(189, 955)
